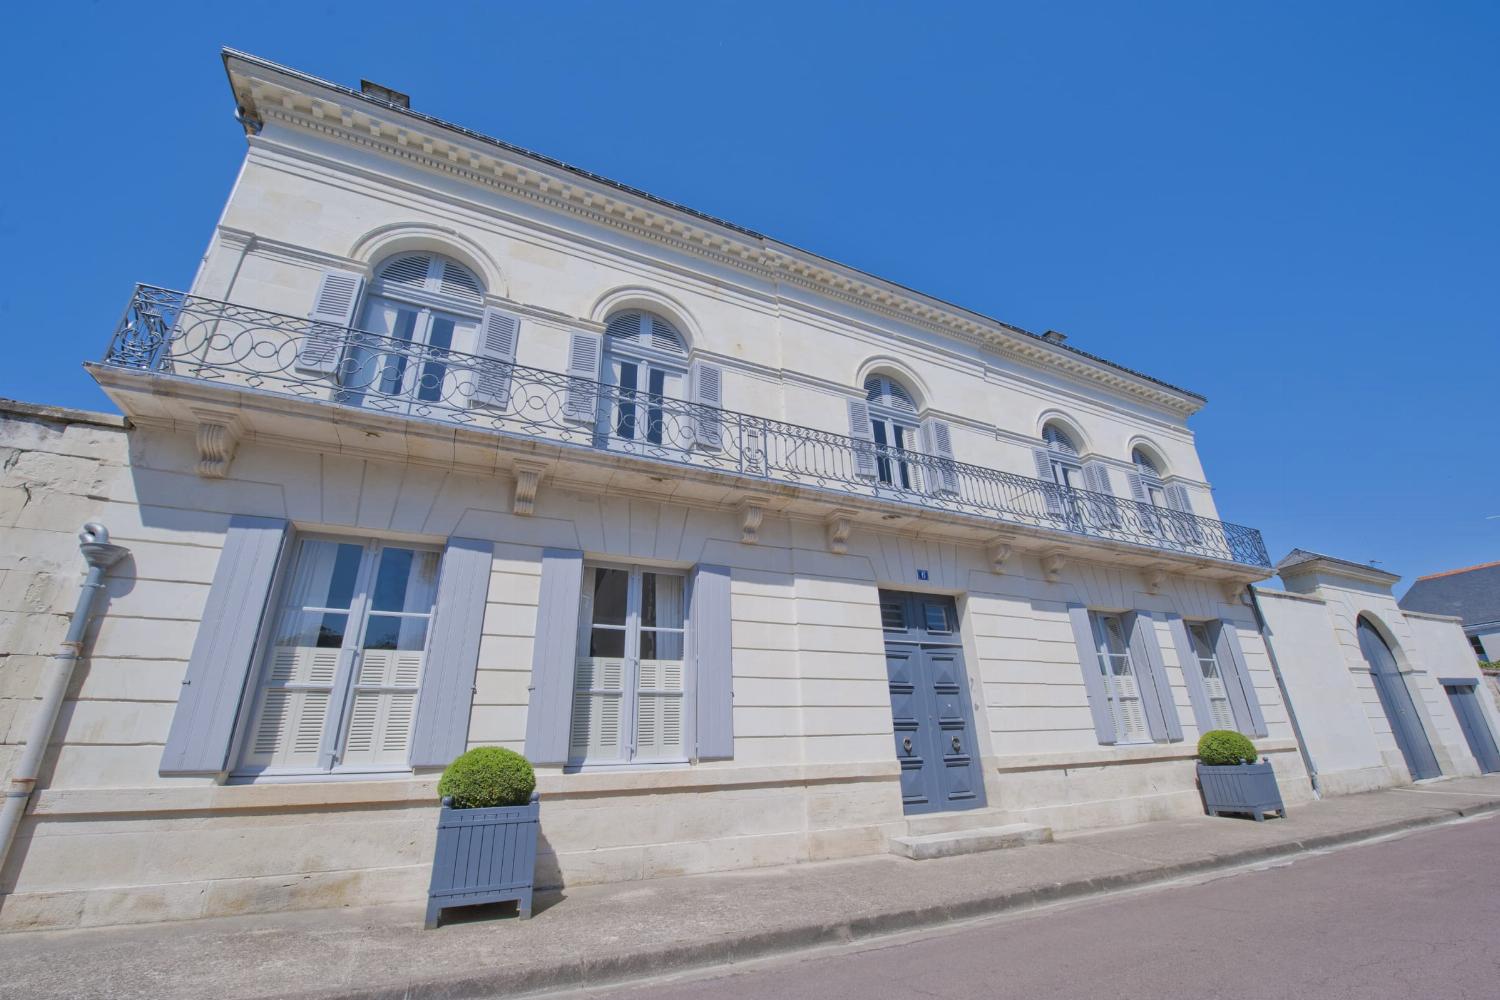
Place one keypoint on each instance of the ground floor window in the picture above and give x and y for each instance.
(344, 658)
(628, 679)
(1219, 708)
(1120, 678)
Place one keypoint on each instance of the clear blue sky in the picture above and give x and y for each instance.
(1291, 208)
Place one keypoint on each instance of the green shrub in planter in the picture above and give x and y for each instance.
(486, 777)
(1219, 747)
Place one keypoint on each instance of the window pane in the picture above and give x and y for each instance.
(330, 632)
(661, 600)
(609, 642)
(937, 617)
(892, 615)
(325, 575)
(391, 632)
(610, 587)
(406, 580)
(661, 645)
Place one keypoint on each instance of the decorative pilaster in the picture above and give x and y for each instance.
(840, 522)
(1052, 566)
(528, 478)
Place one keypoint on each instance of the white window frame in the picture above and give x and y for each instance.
(345, 682)
(646, 357)
(1104, 664)
(899, 427)
(630, 684)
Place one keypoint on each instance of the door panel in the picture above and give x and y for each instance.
(1396, 701)
(1476, 729)
(932, 719)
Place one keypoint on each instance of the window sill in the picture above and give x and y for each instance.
(273, 777)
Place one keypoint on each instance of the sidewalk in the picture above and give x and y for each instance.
(598, 934)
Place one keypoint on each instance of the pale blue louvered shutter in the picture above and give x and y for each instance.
(1106, 512)
(713, 674)
(582, 394)
(554, 657)
(1151, 673)
(1052, 495)
(1177, 498)
(498, 335)
(1187, 526)
(1093, 679)
(864, 438)
(708, 389)
(1192, 674)
(1237, 680)
(446, 697)
(332, 314)
(937, 441)
(223, 656)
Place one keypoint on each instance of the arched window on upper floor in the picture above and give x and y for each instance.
(1060, 462)
(1148, 484)
(653, 397)
(424, 338)
(897, 447)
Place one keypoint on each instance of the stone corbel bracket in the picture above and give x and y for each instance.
(218, 437)
(1234, 591)
(999, 551)
(752, 513)
(1052, 565)
(1155, 576)
(528, 478)
(840, 522)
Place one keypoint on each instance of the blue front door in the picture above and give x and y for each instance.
(932, 718)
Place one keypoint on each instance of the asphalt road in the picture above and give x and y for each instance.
(1416, 917)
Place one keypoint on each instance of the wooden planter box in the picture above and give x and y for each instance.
(483, 856)
(1241, 788)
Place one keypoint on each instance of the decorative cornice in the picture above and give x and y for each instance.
(271, 93)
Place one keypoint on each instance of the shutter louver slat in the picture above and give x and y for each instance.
(938, 440)
(499, 333)
(332, 315)
(459, 281)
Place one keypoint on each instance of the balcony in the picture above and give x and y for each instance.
(200, 342)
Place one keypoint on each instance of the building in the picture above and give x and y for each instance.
(760, 559)
(1384, 695)
(1471, 595)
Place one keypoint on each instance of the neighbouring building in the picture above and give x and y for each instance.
(1384, 694)
(1472, 595)
(759, 558)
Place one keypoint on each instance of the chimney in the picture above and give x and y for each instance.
(385, 95)
(1054, 336)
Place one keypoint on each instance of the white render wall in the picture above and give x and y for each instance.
(814, 775)
(1313, 633)
(787, 353)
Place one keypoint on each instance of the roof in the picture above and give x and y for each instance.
(1472, 594)
(388, 108)
(1306, 557)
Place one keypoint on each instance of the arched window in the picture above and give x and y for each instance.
(420, 307)
(893, 425)
(1058, 463)
(645, 358)
(1146, 482)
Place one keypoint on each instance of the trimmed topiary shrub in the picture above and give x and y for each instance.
(486, 777)
(1218, 747)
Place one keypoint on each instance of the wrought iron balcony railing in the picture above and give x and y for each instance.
(176, 334)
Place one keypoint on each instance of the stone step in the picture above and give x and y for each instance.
(948, 822)
(955, 842)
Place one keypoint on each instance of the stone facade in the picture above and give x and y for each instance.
(334, 183)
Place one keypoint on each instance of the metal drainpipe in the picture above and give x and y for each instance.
(93, 542)
(1286, 698)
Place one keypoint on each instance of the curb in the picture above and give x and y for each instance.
(611, 970)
